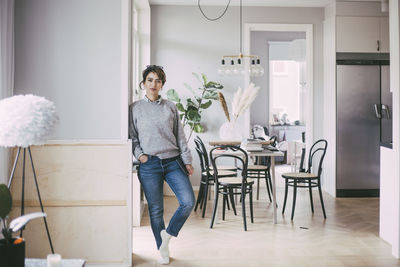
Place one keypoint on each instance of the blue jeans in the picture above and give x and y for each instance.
(151, 175)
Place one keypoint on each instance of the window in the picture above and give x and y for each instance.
(285, 91)
(279, 67)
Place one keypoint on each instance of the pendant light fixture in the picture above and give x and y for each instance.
(234, 65)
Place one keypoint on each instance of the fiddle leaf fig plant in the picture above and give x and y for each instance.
(190, 110)
(17, 223)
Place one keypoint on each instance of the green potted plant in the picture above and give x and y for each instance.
(12, 249)
(190, 112)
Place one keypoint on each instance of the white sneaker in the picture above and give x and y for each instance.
(164, 250)
(163, 260)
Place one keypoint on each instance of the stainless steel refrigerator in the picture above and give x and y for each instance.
(363, 122)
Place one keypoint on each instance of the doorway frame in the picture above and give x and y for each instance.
(308, 29)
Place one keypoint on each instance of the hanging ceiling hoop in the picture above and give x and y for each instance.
(217, 18)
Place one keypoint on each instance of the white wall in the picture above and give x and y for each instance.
(70, 53)
(183, 41)
(394, 28)
(387, 222)
(329, 172)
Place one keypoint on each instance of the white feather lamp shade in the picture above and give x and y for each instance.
(26, 120)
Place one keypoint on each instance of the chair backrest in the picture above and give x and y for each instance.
(232, 152)
(203, 154)
(318, 148)
(202, 147)
(303, 154)
(201, 157)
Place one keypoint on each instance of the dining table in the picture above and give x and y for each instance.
(264, 153)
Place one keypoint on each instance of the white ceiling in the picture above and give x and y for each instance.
(276, 3)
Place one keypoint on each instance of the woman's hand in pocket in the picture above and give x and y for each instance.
(189, 169)
(143, 158)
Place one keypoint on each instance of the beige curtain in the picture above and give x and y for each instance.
(6, 70)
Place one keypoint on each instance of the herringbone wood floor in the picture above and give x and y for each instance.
(348, 237)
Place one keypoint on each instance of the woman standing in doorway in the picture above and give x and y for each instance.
(159, 143)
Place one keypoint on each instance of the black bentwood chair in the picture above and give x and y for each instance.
(262, 170)
(307, 179)
(225, 186)
(207, 178)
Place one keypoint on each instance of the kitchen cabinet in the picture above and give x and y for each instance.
(362, 34)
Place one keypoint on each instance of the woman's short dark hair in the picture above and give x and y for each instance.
(157, 70)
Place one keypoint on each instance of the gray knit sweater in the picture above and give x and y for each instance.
(155, 129)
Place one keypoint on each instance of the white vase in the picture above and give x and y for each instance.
(230, 131)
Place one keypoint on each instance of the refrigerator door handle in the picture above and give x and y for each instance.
(386, 109)
(377, 111)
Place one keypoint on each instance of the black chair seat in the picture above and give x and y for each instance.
(230, 186)
(234, 181)
(307, 179)
(257, 168)
(299, 175)
(207, 175)
(221, 173)
(225, 168)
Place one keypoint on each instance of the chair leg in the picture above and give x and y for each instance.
(205, 198)
(251, 203)
(320, 196)
(270, 181)
(215, 208)
(199, 196)
(286, 193)
(224, 200)
(267, 182)
(227, 201)
(258, 185)
(202, 194)
(311, 198)
(294, 197)
(232, 200)
(243, 197)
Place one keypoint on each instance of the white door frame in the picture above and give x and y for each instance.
(308, 29)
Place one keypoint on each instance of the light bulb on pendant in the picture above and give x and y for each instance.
(253, 68)
(260, 69)
(238, 67)
(231, 68)
(222, 68)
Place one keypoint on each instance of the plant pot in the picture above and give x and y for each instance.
(12, 255)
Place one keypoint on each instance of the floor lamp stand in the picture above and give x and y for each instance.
(23, 189)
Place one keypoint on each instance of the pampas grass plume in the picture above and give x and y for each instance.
(26, 120)
(241, 101)
(224, 105)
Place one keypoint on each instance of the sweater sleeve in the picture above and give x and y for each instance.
(133, 134)
(181, 139)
